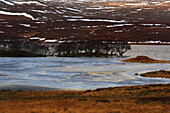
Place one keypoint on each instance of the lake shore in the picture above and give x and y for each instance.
(145, 98)
(14, 87)
(18, 53)
(156, 74)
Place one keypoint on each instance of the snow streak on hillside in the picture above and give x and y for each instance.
(7, 2)
(28, 2)
(135, 21)
(17, 14)
(12, 3)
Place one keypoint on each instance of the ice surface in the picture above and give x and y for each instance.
(83, 73)
(158, 51)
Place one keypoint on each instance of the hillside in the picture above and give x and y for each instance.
(49, 21)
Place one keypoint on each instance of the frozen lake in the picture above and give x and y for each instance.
(154, 51)
(83, 73)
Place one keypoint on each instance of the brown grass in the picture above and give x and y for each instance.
(144, 59)
(160, 74)
(134, 99)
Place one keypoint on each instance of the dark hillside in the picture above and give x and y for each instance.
(58, 21)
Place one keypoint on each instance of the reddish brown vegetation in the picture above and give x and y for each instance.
(161, 74)
(134, 99)
(144, 59)
(68, 30)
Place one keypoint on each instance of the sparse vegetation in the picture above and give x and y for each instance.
(132, 99)
(71, 48)
(92, 48)
(144, 59)
(155, 74)
(22, 48)
(16, 53)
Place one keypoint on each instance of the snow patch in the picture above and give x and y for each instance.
(50, 41)
(138, 9)
(59, 12)
(118, 31)
(151, 24)
(66, 16)
(40, 22)
(40, 11)
(25, 25)
(1, 32)
(71, 9)
(100, 8)
(29, 2)
(7, 2)
(119, 25)
(9, 26)
(17, 14)
(168, 27)
(37, 38)
(137, 4)
(97, 20)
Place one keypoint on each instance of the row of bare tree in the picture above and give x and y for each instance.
(107, 47)
(16, 44)
(73, 47)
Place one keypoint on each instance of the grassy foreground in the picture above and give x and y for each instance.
(129, 99)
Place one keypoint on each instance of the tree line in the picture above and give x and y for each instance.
(27, 45)
(105, 47)
(67, 48)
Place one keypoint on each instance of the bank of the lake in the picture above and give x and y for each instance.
(17, 53)
(156, 74)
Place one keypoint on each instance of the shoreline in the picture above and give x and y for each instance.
(35, 88)
(8, 53)
(28, 88)
(14, 87)
(18, 87)
(156, 74)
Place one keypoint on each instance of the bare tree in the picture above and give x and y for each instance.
(121, 47)
(105, 47)
(67, 48)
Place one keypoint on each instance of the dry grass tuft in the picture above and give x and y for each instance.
(144, 59)
(154, 74)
